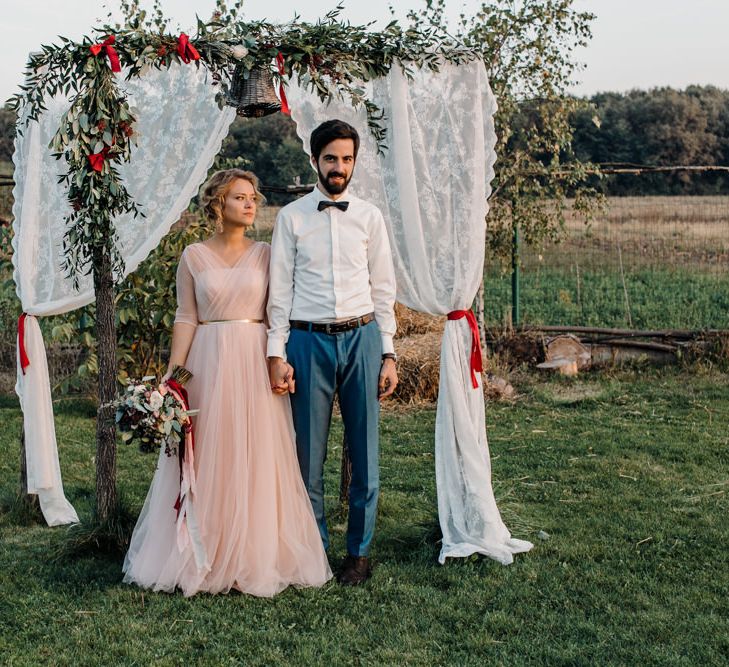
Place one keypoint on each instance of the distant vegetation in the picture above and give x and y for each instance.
(271, 148)
(662, 126)
(7, 133)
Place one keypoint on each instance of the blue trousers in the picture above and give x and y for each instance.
(348, 364)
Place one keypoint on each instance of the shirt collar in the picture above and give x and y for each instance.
(318, 196)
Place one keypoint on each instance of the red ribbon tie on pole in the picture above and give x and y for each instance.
(24, 361)
(476, 358)
(186, 50)
(107, 45)
(281, 93)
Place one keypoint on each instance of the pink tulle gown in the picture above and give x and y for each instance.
(251, 523)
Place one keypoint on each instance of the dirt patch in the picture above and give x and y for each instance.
(7, 382)
(518, 348)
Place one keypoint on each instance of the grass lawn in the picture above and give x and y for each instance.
(658, 298)
(627, 472)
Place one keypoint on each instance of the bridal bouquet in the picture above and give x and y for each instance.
(155, 415)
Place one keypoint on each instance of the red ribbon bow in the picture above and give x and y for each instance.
(186, 50)
(110, 51)
(282, 70)
(96, 160)
(24, 361)
(476, 359)
(180, 393)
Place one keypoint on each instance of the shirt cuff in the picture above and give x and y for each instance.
(276, 347)
(388, 346)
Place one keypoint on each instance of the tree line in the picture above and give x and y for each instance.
(658, 127)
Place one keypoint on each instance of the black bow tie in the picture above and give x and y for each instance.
(326, 203)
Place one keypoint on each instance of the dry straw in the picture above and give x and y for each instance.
(417, 344)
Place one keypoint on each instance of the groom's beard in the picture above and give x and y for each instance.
(333, 188)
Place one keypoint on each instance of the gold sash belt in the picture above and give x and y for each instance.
(221, 321)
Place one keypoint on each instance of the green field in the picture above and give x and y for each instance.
(669, 255)
(658, 298)
(628, 473)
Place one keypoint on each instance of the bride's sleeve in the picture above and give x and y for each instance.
(186, 303)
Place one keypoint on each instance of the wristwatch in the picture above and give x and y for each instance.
(389, 355)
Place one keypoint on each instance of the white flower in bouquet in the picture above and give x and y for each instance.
(239, 51)
(155, 401)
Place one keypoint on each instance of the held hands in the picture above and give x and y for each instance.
(388, 378)
(281, 375)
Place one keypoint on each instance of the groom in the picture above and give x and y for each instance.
(331, 317)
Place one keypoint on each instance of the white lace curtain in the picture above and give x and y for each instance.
(432, 186)
(180, 132)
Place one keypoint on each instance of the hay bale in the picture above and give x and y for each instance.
(418, 370)
(413, 323)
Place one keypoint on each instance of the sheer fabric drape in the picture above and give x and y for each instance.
(432, 185)
(180, 130)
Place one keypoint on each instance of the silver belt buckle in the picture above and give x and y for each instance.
(327, 328)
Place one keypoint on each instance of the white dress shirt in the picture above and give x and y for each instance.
(329, 265)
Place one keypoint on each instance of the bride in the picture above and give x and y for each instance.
(250, 525)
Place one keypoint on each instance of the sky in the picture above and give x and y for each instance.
(636, 43)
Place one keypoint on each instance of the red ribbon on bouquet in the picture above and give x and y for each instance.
(24, 361)
(180, 393)
(476, 358)
(281, 93)
(107, 45)
(186, 50)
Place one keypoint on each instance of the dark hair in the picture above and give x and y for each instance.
(330, 130)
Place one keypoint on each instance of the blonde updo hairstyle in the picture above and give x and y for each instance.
(212, 194)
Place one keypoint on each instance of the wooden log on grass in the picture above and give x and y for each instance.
(628, 333)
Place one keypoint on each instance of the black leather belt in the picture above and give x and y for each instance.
(333, 327)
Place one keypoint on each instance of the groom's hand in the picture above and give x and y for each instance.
(388, 378)
(281, 376)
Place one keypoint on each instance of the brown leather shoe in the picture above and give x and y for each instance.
(355, 570)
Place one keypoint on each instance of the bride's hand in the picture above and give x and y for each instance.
(281, 375)
(289, 379)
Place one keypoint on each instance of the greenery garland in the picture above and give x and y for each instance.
(331, 57)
